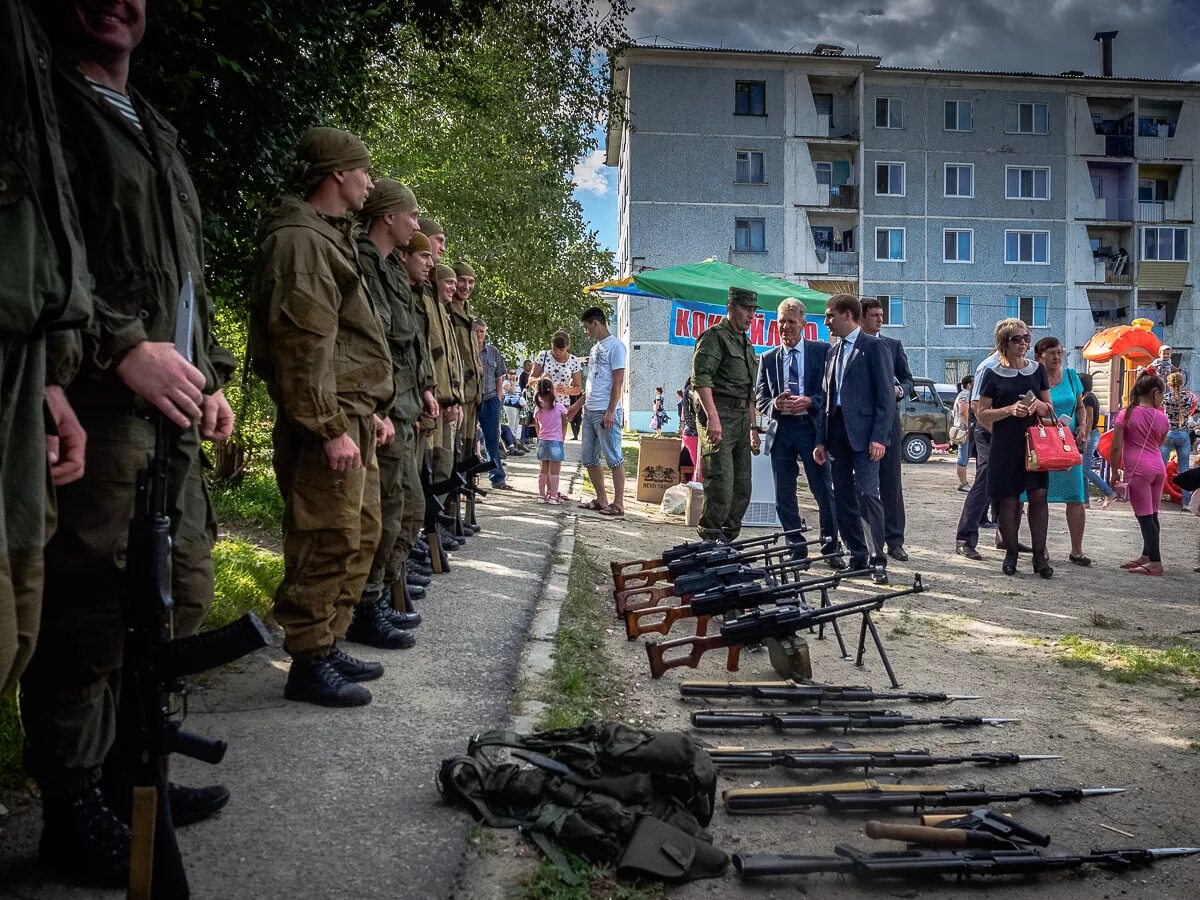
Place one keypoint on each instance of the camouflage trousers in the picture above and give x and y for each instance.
(727, 476)
(70, 691)
(331, 527)
(402, 508)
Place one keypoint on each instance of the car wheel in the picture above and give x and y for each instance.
(916, 448)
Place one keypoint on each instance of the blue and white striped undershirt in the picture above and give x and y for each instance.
(118, 101)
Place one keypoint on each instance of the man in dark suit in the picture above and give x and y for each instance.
(791, 391)
(891, 490)
(856, 430)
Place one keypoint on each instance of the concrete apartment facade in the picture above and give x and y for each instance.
(961, 197)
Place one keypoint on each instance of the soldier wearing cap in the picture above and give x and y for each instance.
(316, 340)
(389, 219)
(724, 368)
(462, 320)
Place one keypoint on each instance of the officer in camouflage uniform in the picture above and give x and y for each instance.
(723, 371)
(390, 219)
(140, 221)
(464, 331)
(45, 290)
(317, 342)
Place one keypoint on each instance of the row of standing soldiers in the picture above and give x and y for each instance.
(364, 339)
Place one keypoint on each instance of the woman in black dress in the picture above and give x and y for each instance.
(1004, 412)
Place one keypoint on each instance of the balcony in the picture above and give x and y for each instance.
(836, 126)
(1159, 148)
(844, 263)
(1156, 211)
(837, 196)
(1108, 209)
(1104, 274)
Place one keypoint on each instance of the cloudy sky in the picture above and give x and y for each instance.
(1158, 38)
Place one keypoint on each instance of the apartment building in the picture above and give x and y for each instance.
(957, 197)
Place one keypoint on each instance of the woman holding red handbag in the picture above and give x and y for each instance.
(1139, 430)
(1067, 486)
(1012, 395)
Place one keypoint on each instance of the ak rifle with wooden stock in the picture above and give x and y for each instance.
(697, 581)
(722, 599)
(855, 796)
(698, 554)
(833, 758)
(921, 864)
(757, 626)
(818, 719)
(809, 694)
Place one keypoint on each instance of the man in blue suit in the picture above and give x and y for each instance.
(856, 430)
(791, 391)
(891, 489)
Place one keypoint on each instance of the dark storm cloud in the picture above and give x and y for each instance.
(1158, 38)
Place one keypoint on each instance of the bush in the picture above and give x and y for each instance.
(246, 577)
(255, 501)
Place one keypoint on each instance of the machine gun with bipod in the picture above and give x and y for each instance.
(698, 555)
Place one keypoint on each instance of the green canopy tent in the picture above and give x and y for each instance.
(709, 282)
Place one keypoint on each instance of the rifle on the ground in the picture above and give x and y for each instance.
(921, 864)
(809, 694)
(817, 719)
(977, 829)
(154, 662)
(741, 592)
(699, 554)
(761, 624)
(739, 570)
(871, 795)
(833, 757)
(699, 562)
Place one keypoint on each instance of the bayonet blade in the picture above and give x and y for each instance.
(1101, 791)
(1168, 852)
(185, 317)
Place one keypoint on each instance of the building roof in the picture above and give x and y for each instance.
(692, 48)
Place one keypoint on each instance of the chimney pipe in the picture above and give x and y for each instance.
(1106, 41)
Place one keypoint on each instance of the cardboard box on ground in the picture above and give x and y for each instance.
(658, 466)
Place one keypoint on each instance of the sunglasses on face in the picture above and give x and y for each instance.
(1019, 339)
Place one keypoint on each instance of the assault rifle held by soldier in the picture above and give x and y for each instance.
(809, 694)
(871, 795)
(469, 468)
(833, 758)
(758, 626)
(435, 514)
(688, 584)
(154, 664)
(722, 598)
(816, 719)
(921, 864)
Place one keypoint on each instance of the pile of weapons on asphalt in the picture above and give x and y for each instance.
(764, 596)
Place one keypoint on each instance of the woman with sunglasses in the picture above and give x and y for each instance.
(1007, 412)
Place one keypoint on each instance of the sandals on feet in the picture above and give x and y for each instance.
(593, 505)
(1079, 560)
(1142, 570)
(612, 510)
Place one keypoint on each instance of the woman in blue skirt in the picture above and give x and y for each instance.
(1069, 487)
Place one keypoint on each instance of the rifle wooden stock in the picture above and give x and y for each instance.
(641, 597)
(659, 661)
(659, 619)
(642, 579)
(917, 834)
(631, 567)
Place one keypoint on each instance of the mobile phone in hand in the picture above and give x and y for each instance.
(1028, 399)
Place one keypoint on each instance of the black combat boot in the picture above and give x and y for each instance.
(316, 681)
(404, 613)
(449, 541)
(353, 669)
(415, 577)
(371, 627)
(191, 805)
(82, 838)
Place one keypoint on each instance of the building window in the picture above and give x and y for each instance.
(889, 112)
(750, 98)
(958, 313)
(957, 369)
(1165, 244)
(893, 309)
(889, 244)
(958, 245)
(749, 235)
(958, 115)
(960, 180)
(1030, 310)
(1027, 247)
(824, 171)
(889, 179)
(1026, 183)
(749, 167)
(1154, 190)
(1026, 118)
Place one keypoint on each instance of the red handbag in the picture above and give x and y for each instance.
(1050, 449)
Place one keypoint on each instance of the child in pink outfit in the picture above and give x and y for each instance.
(1139, 431)
(549, 417)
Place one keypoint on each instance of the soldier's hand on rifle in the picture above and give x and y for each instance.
(384, 430)
(159, 373)
(341, 454)
(216, 421)
(431, 404)
(65, 450)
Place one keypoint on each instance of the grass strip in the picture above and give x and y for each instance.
(255, 500)
(1129, 663)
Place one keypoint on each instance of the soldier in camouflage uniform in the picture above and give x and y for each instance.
(390, 219)
(464, 331)
(724, 368)
(140, 221)
(317, 342)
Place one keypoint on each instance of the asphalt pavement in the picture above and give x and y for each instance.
(343, 803)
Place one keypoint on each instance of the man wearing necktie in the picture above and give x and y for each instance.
(890, 485)
(856, 430)
(791, 391)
